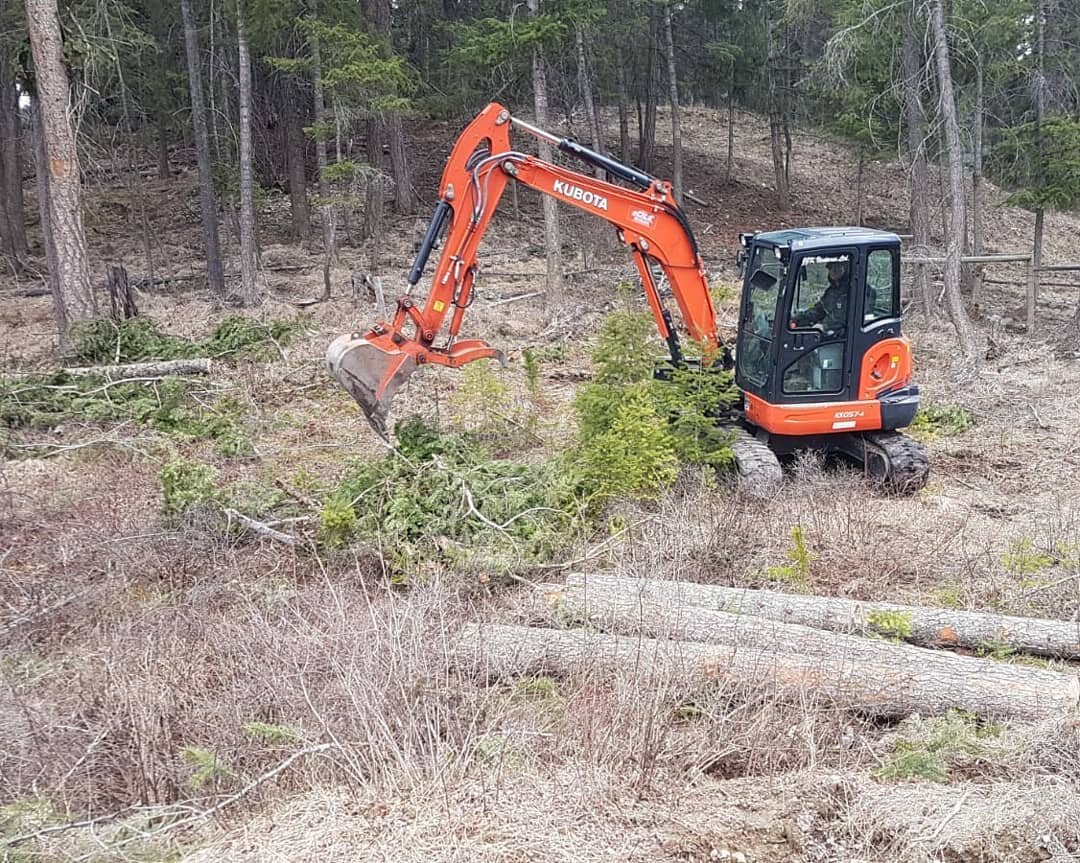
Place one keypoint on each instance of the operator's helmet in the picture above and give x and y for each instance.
(837, 269)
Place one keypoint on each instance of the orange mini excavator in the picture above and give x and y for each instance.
(819, 356)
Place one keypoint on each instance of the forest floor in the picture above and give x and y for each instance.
(146, 663)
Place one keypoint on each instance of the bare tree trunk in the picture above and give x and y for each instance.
(673, 88)
(730, 126)
(248, 264)
(404, 199)
(1040, 117)
(977, 187)
(552, 245)
(41, 176)
(297, 165)
(624, 114)
(954, 240)
(328, 232)
(776, 123)
(75, 291)
(163, 170)
(1037, 246)
(207, 200)
(647, 124)
(585, 86)
(373, 207)
(859, 187)
(379, 15)
(12, 218)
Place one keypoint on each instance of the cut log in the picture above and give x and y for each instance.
(627, 610)
(929, 627)
(881, 688)
(155, 369)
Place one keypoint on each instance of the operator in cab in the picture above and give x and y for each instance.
(829, 313)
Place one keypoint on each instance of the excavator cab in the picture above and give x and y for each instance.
(820, 356)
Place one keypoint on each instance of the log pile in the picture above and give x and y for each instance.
(852, 653)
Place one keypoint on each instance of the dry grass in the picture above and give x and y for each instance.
(131, 650)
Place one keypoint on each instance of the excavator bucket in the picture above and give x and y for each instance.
(371, 370)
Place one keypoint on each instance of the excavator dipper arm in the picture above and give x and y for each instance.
(373, 365)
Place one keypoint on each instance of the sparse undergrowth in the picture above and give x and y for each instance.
(102, 342)
(937, 421)
(168, 405)
(931, 748)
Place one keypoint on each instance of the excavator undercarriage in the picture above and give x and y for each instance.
(843, 390)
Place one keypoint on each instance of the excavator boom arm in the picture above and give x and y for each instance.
(373, 365)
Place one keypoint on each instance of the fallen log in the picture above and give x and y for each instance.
(627, 610)
(929, 627)
(880, 688)
(154, 369)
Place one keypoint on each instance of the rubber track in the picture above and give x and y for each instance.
(760, 474)
(908, 465)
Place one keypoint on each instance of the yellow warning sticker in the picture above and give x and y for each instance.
(439, 305)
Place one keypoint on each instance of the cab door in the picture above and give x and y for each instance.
(879, 311)
(766, 275)
(814, 359)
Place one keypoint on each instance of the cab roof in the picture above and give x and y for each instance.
(817, 238)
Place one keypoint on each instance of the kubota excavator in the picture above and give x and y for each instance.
(819, 356)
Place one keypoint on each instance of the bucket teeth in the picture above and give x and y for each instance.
(371, 374)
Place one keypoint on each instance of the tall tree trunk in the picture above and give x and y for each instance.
(1037, 247)
(673, 89)
(297, 166)
(730, 165)
(328, 232)
(12, 218)
(373, 207)
(585, 86)
(378, 13)
(977, 184)
(248, 263)
(207, 199)
(75, 292)
(624, 114)
(954, 241)
(163, 169)
(1040, 117)
(52, 261)
(552, 244)
(776, 122)
(859, 172)
(404, 199)
(647, 123)
(918, 173)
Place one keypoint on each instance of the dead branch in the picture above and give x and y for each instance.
(262, 528)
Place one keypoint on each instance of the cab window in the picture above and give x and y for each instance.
(822, 293)
(882, 286)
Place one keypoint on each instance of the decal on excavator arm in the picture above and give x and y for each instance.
(578, 194)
